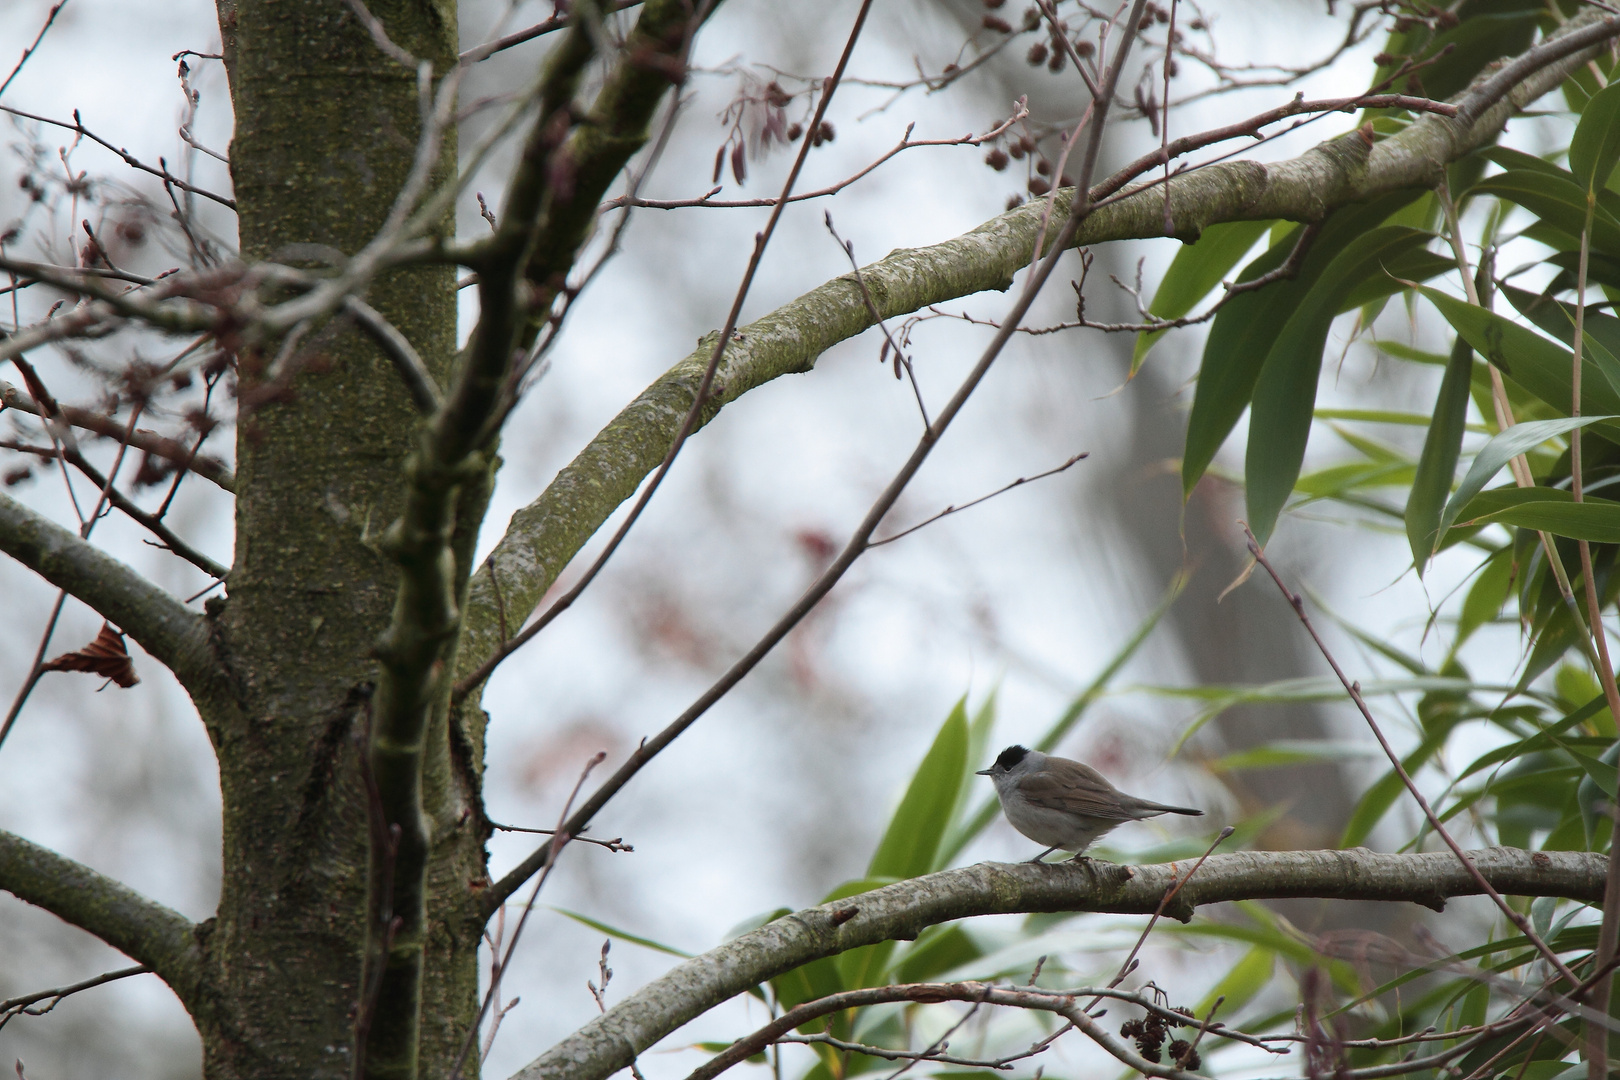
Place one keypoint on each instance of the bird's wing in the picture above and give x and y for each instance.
(1078, 789)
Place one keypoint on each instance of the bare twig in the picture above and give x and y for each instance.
(399, 350)
(1609, 931)
(29, 1004)
(559, 840)
(78, 128)
(56, 9)
(901, 360)
(906, 143)
(857, 543)
(545, 26)
(1354, 690)
(1169, 895)
(982, 498)
(185, 458)
(689, 424)
(615, 844)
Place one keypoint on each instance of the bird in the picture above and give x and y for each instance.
(1063, 803)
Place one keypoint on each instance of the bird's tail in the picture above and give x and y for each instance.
(1153, 808)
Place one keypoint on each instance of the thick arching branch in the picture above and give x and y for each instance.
(145, 931)
(160, 623)
(903, 910)
(544, 536)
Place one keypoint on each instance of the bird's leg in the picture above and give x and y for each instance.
(1043, 855)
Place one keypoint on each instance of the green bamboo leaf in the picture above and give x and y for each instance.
(1538, 365)
(911, 841)
(1596, 144)
(1601, 332)
(1406, 352)
(1197, 269)
(1419, 265)
(1242, 334)
(1495, 455)
(1437, 465)
(1511, 159)
(1546, 510)
(937, 950)
(1384, 416)
(1285, 390)
(1557, 201)
(625, 935)
(1243, 983)
(1284, 752)
(1486, 596)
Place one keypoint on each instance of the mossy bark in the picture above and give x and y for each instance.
(326, 126)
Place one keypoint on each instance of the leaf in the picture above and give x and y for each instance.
(1486, 596)
(1285, 389)
(1511, 159)
(1419, 265)
(1239, 986)
(1437, 465)
(1601, 332)
(1196, 269)
(1546, 510)
(1283, 752)
(1382, 795)
(911, 841)
(625, 935)
(105, 656)
(1595, 146)
(1494, 455)
(1243, 333)
(1557, 200)
(1406, 352)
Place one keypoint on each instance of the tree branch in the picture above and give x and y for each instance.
(544, 536)
(146, 932)
(186, 458)
(160, 623)
(903, 910)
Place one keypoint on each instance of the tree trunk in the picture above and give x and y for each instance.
(326, 129)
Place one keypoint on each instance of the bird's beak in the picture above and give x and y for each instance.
(982, 772)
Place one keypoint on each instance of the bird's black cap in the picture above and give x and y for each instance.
(1009, 757)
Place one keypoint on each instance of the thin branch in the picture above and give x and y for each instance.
(857, 544)
(29, 1004)
(1354, 690)
(982, 498)
(78, 128)
(906, 143)
(483, 52)
(690, 423)
(1609, 929)
(185, 458)
(399, 350)
(615, 844)
(56, 9)
(147, 932)
(901, 360)
(559, 840)
(1129, 962)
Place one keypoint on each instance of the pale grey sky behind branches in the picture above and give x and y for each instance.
(780, 793)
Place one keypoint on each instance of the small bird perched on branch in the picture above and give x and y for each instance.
(1063, 803)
